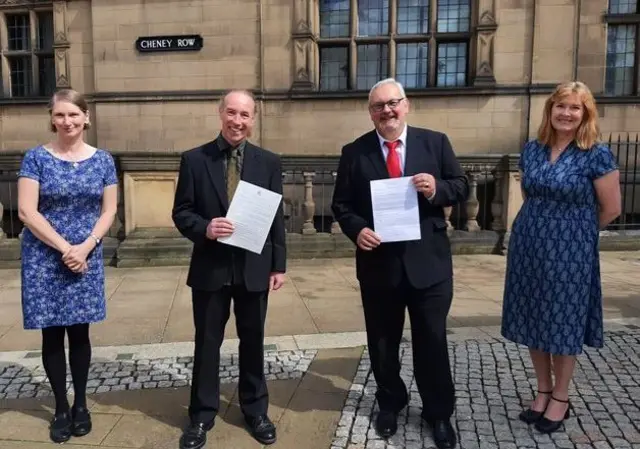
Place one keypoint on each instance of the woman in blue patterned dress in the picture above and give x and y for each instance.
(67, 202)
(552, 299)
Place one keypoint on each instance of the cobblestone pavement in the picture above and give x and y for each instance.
(24, 382)
(494, 382)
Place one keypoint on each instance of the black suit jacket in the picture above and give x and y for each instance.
(201, 195)
(426, 261)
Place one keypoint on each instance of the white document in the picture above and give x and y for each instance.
(396, 217)
(251, 211)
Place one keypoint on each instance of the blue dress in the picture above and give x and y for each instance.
(71, 201)
(552, 297)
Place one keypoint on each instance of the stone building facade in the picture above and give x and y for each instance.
(476, 69)
(479, 70)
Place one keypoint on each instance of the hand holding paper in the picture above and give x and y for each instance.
(396, 217)
(251, 211)
(219, 227)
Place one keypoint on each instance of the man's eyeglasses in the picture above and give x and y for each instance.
(379, 107)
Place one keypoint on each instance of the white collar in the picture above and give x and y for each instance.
(402, 138)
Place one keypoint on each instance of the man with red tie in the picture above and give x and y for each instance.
(417, 274)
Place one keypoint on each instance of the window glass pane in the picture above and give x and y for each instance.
(453, 16)
(373, 17)
(334, 18)
(413, 16)
(452, 64)
(373, 63)
(412, 64)
(334, 68)
(621, 48)
(20, 68)
(18, 31)
(623, 6)
(45, 30)
(47, 76)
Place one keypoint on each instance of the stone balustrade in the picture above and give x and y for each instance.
(143, 232)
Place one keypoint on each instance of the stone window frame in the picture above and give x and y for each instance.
(305, 48)
(619, 20)
(59, 52)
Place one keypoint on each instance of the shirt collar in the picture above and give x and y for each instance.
(402, 138)
(226, 147)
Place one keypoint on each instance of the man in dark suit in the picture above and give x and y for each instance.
(416, 274)
(218, 272)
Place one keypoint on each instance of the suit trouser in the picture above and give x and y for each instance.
(384, 310)
(210, 315)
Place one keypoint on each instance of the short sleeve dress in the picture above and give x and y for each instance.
(553, 297)
(70, 198)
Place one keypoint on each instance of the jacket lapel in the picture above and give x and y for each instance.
(215, 168)
(251, 164)
(374, 153)
(412, 153)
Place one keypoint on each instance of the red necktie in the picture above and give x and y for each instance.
(393, 159)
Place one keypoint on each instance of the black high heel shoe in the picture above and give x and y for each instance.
(545, 425)
(529, 415)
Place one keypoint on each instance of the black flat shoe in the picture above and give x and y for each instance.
(531, 416)
(443, 434)
(195, 435)
(386, 424)
(545, 425)
(262, 429)
(81, 421)
(60, 428)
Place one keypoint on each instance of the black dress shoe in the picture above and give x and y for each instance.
(386, 424)
(195, 436)
(545, 425)
(60, 428)
(443, 434)
(262, 429)
(81, 419)
(531, 416)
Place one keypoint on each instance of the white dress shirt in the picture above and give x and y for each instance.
(401, 149)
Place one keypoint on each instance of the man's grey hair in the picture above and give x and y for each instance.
(387, 81)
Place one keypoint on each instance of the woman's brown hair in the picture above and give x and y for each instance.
(588, 131)
(70, 96)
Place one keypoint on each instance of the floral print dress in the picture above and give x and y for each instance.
(70, 198)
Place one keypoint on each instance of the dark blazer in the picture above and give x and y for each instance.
(201, 195)
(426, 261)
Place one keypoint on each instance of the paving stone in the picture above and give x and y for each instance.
(494, 381)
(151, 373)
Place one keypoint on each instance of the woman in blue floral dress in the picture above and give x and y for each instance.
(67, 202)
(553, 300)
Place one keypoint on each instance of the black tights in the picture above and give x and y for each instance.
(55, 364)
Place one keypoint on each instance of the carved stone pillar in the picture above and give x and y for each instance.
(484, 44)
(335, 227)
(447, 219)
(284, 201)
(496, 204)
(302, 46)
(1, 215)
(119, 222)
(473, 205)
(61, 44)
(309, 206)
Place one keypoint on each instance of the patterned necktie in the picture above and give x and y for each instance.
(232, 174)
(393, 159)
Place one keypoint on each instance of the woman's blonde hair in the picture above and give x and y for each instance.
(588, 132)
(70, 96)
